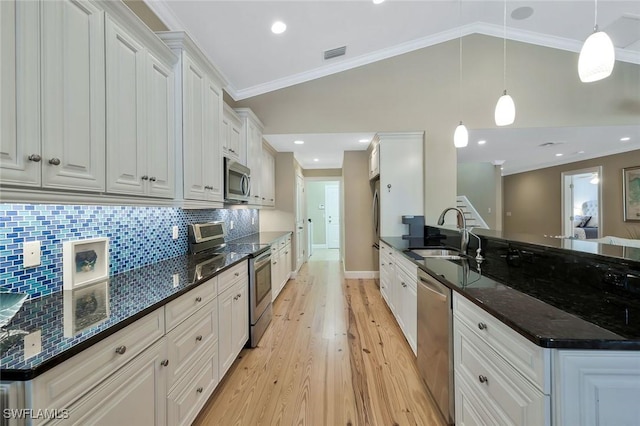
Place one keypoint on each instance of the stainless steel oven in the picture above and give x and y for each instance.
(259, 295)
(237, 182)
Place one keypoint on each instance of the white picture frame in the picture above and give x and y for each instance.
(85, 262)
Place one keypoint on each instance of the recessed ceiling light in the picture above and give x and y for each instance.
(626, 138)
(521, 13)
(481, 142)
(316, 159)
(580, 152)
(298, 142)
(378, 1)
(278, 27)
(558, 155)
(363, 140)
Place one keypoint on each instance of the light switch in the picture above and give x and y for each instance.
(32, 344)
(30, 254)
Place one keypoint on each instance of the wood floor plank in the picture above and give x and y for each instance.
(333, 355)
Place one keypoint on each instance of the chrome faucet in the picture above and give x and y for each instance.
(464, 241)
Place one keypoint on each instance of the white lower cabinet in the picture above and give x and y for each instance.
(233, 320)
(280, 265)
(490, 387)
(596, 388)
(133, 395)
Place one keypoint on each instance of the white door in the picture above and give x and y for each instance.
(300, 202)
(332, 214)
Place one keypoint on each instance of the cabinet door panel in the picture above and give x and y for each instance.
(193, 130)
(225, 331)
(19, 79)
(240, 324)
(212, 154)
(73, 95)
(126, 138)
(161, 129)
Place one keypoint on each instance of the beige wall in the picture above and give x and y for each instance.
(534, 198)
(477, 182)
(145, 14)
(358, 220)
(322, 172)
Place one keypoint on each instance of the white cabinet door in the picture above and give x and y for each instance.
(225, 330)
(231, 132)
(161, 129)
(134, 395)
(73, 95)
(254, 147)
(193, 110)
(268, 182)
(20, 152)
(240, 322)
(126, 99)
(212, 149)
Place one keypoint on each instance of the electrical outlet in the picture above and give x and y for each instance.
(32, 344)
(508, 213)
(489, 210)
(174, 232)
(30, 254)
(176, 280)
(230, 224)
(253, 220)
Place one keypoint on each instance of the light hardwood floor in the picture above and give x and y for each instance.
(333, 355)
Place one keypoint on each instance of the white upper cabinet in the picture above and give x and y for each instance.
(374, 161)
(231, 136)
(252, 139)
(268, 179)
(140, 117)
(199, 122)
(73, 95)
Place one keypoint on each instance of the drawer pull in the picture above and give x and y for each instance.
(199, 390)
(198, 299)
(145, 177)
(239, 296)
(164, 363)
(483, 379)
(237, 274)
(120, 350)
(403, 285)
(54, 161)
(35, 158)
(275, 262)
(199, 338)
(482, 326)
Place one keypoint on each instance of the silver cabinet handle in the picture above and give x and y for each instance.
(199, 390)
(152, 179)
(275, 263)
(483, 379)
(286, 252)
(145, 177)
(235, 298)
(237, 274)
(54, 161)
(198, 299)
(199, 338)
(164, 363)
(239, 296)
(482, 326)
(403, 284)
(35, 158)
(120, 350)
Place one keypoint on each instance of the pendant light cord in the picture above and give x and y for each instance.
(595, 19)
(504, 46)
(460, 61)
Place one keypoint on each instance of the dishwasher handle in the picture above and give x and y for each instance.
(434, 287)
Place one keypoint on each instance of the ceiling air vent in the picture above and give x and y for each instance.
(334, 53)
(548, 144)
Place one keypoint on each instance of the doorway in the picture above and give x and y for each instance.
(581, 203)
(323, 210)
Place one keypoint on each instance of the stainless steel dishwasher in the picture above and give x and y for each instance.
(435, 342)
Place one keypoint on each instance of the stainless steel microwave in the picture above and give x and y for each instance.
(237, 182)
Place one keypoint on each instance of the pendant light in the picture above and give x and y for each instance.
(505, 113)
(597, 55)
(461, 135)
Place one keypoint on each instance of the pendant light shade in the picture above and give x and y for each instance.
(505, 110)
(597, 57)
(461, 136)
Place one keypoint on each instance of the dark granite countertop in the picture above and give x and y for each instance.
(548, 313)
(130, 295)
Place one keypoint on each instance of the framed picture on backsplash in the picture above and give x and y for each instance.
(85, 307)
(631, 193)
(85, 262)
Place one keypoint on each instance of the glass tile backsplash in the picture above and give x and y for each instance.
(138, 236)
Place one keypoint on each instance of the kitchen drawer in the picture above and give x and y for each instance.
(184, 306)
(65, 383)
(229, 277)
(532, 361)
(407, 266)
(470, 410)
(500, 388)
(192, 392)
(188, 341)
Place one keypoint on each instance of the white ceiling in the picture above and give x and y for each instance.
(236, 36)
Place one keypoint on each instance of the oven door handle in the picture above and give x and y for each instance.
(262, 261)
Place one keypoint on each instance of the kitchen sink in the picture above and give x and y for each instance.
(440, 253)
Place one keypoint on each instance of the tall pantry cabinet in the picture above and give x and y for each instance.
(199, 118)
(398, 159)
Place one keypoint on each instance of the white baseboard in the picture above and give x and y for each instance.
(319, 246)
(353, 275)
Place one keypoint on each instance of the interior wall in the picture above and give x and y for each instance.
(532, 200)
(322, 172)
(315, 199)
(357, 216)
(476, 182)
(146, 15)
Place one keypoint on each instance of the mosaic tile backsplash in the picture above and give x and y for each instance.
(138, 236)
